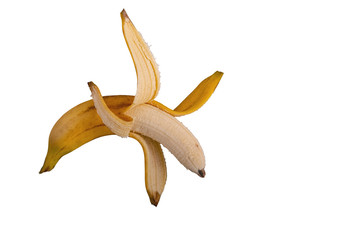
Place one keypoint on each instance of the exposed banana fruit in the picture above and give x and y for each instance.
(140, 117)
(164, 128)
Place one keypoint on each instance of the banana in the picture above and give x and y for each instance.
(140, 117)
(82, 124)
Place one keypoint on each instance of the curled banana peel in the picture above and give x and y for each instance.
(139, 117)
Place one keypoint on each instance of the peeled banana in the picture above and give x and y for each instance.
(140, 117)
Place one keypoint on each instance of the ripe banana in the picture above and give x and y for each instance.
(82, 124)
(140, 117)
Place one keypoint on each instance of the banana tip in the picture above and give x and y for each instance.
(45, 169)
(201, 173)
(154, 199)
(123, 14)
(219, 73)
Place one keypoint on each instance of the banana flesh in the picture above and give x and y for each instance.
(164, 128)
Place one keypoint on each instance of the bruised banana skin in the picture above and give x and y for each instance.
(171, 133)
(82, 124)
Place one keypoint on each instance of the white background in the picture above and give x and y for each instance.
(281, 133)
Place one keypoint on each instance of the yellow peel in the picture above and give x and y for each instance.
(120, 125)
(196, 99)
(148, 76)
(80, 125)
(155, 167)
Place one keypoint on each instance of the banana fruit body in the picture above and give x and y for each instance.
(170, 132)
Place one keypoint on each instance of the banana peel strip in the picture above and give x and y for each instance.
(196, 99)
(155, 167)
(148, 76)
(120, 125)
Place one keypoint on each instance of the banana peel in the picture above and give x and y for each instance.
(140, 117)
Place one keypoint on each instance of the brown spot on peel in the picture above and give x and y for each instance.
(124, 14)
(154, 199)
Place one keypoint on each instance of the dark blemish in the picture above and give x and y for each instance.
(89, 109)
(88, 129)
(201, 173)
